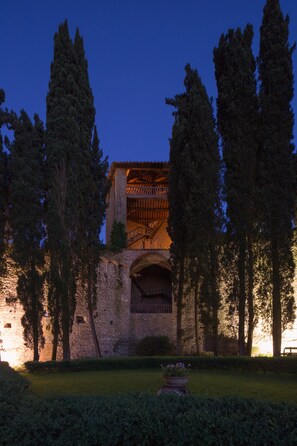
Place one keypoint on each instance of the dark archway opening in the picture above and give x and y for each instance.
(151, 290)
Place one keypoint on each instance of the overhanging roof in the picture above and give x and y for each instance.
(142, 165)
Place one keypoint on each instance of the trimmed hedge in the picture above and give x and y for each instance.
(264, 364)
(151, 420)
(12, 391)
(139, 419)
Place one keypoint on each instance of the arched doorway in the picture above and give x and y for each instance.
(151, 289)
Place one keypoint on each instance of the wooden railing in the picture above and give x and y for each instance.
(135, 235)
(141, 232)
(151, 308)
(164, 293)
(155, 191)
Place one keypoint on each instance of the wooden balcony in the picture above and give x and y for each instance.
(141, 191)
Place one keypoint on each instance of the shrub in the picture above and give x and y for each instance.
(151, 420)
(12, 389)
(118, 237)
(154, 346)
(261, 364)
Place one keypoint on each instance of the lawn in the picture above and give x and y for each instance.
(265, 386)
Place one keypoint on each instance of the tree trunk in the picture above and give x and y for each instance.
(56, 331)
(215, 321)
(251, 322)
(276, 298)
(91, 315)
(179, 307)
(215, 301)
(35, 315)
(66, 341)
(197, 321)
(35, 327)
(35, 337)
(242, 296)
(55, 341)
(66, 325)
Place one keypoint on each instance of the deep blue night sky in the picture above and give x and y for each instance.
(136, 49)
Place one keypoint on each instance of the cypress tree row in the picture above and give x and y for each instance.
(259, 189)
(277, 168)
(237, 122)
(27, 224)
(195, 164)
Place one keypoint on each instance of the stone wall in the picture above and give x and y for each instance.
(117, 328)
(12, 347)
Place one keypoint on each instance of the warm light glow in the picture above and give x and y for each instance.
(11, 349)
(290, 337)
(263, 343)
(262, 347)
(11, 357)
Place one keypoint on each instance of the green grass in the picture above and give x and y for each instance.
(258, 385)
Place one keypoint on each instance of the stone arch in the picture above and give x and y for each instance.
(151, 289)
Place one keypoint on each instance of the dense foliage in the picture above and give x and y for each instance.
(139, 418)
(27, 224)
(63, 155)
(12, 390)
(148, 419)
(76, 186)
(118, 237)
(194, 187)
(4, 182)
(264, 364)
(277, 173)
(238, 123)
(93, 187)
(154, 345)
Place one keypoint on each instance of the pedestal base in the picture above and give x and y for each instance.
(178, 390)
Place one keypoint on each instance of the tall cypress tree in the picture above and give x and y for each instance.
(237, 121)
(86, 122)
(93, 171)
(27, 223)
(63, 142)
(277, 169)
(4, 184)
(195, 156)
(77, 188)
(94, 207)
(178, 190)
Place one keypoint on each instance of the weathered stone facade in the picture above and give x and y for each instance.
(117, 328)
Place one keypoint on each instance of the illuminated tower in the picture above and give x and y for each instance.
(138, 199)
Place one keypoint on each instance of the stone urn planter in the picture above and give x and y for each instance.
(172, 383)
